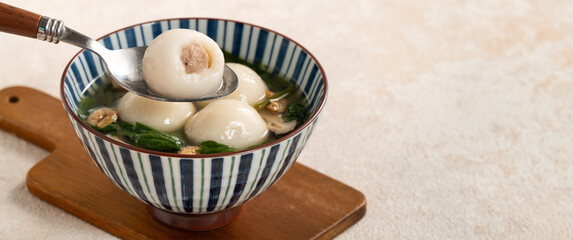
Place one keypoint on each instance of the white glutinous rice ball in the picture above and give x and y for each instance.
(163, 116)
(227, 121)
(183, 63)
(251, 88)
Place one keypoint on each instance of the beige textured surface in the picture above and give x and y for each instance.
(455, 118)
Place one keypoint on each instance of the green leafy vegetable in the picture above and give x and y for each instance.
(84, 107)
(146, 137)
(108, 95)
(274, 82)
(102, 97)
(280, 94)
(297, 112)
(209, 147)
(107, 129)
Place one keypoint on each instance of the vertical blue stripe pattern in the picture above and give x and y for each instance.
(131, 39)
(212, 28)
(186, 173)
(237, 39)
(156, 29)
(289, 157)
(266, 170)
(158, 180)
(107, 162)
(132, 174)
(261, 45)
(242, 176)
(198, 185)
(281, 56)
(216, 180)
(184, 24)
(92, 69)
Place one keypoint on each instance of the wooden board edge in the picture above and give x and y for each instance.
(36, 188)
(345, 222)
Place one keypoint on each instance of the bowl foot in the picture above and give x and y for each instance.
(195, 222)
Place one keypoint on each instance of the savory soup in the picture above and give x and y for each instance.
(262, 108)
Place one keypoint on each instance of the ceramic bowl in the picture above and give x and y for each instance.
(183, 190)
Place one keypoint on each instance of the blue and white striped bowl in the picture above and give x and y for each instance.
(201, 183)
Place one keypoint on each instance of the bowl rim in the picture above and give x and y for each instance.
(296, 131)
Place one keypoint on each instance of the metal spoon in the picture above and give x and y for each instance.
(124, 65)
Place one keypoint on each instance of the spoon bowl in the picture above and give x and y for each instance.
(124, 65)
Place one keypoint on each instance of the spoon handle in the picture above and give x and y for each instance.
(18, 21)
(22, 22)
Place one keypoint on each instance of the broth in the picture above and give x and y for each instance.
(105, 95)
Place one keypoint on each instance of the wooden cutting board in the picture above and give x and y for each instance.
(304, 204)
